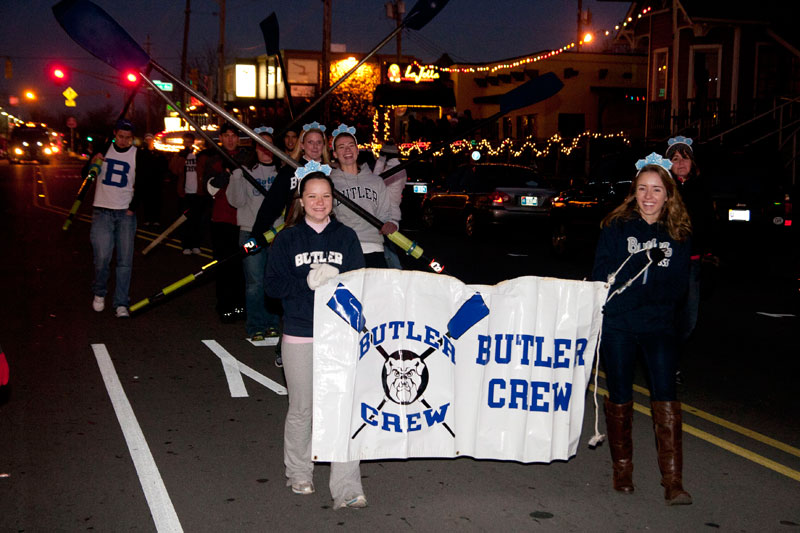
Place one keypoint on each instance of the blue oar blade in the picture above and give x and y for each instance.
(346, 305)
(422, 13)
(470, 313)
(99, 34)
(531, 92)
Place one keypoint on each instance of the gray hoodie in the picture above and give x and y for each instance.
(367, 190)
(246, 198)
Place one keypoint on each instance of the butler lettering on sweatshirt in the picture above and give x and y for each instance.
(643, 306)
(289, 262)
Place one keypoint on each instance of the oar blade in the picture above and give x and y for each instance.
(531, 92)
(269, 27)
(99, 34)
(422, 13)
(470, 313)
(345, 304)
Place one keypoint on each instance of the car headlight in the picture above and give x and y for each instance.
(48, 151)
(18, 151)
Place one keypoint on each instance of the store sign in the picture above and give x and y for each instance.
(303, 91)
(245, 81)
(415, 73)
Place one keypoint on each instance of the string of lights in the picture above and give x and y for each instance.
(537, 57)
(504, 147)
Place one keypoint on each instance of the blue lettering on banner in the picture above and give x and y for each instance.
(400, 329)
(116, 173)
(528, 395)
(511, 347)
(393, 422)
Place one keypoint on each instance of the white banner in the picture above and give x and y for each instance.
(411, 364)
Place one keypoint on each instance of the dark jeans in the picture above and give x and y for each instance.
(618, 351)
(198, 207)
(230, 277)
(375, 260)
(686, 318)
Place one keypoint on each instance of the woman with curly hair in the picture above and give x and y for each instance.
(640, 318)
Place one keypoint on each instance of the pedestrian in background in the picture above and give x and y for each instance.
(641, 318)
(224, 226)
(246, 198)
(700, 207)
(114, 217)
(293, 279)
(150, 184)
(186, 165)
(395, 184)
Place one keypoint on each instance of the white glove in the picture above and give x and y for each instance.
(320, 273)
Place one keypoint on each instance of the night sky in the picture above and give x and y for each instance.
(468, 30)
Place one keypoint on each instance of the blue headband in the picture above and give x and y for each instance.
(263, 129)
(654, 159)
(344, 128)
(314, 125)
(310, 167)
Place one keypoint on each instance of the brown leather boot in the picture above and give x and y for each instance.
(667, 425)
(619, 421)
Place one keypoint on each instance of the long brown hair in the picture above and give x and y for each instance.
(673, 215)
(296, 212)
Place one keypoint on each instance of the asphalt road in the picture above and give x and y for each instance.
(115, 425)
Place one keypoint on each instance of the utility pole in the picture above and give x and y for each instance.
(395, 10)
(183, 50)
(147, 120)
(221, 55)
(580, 26)
(326, 56)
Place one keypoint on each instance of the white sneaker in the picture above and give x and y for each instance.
(303, 487)
(187, 251)
(122, 312)
(359, 502)
(196, 251)
(99, 303)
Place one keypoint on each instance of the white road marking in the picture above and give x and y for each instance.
(229, 362)
(155, 492)
(231, 367)
(774, 315)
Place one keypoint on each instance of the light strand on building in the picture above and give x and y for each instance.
(533, 58)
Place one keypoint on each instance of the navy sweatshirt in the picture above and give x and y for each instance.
(289, 262)
(649, 304)
(278, 199)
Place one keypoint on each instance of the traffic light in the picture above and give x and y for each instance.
(131, 77)
(58, 74)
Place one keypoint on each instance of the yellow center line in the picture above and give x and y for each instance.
(724, 444)
(728, 425)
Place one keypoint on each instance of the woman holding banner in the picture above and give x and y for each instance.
(640, 317)
(309, 252)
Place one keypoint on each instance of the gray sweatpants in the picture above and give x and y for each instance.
(345, 482)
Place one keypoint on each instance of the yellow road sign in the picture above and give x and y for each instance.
(70, 93)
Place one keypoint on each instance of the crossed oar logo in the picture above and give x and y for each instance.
(405, 374)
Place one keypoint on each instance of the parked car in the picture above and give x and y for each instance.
(32, 144)
(422, 176)
(479, 196)
(577, 212)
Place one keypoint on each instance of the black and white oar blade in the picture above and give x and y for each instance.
(531, 92)
(269, 27)
(422, 13)
(99, 34)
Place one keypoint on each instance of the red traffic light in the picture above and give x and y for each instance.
(131, 77)
(58, 74)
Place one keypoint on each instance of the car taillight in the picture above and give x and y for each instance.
(499, 198)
